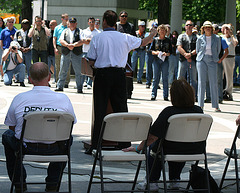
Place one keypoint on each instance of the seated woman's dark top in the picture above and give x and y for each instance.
(160, 126)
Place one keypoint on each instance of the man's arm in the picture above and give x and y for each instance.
(224, 55)
(149, 38)
(1, 44)
(5, 55)
(55, 45)
(30, 33)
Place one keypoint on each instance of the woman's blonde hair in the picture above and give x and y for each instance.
(162, 26)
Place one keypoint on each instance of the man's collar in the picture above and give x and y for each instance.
(109, 29)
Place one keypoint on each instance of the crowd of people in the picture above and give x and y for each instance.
(196, 61)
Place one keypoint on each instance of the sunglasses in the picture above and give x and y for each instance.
(90, 22)
(123, 16)
(189, 25)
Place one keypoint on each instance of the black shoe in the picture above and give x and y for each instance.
(153, 98)
(220, 102)
(18, 188)
(89, 151)
(166, 99)
(148, 85)
(139, 82)
(49, 85)
(16, 81)
(159, 87)
(66, 86)
(59, 90)
(207, 101)
(51, 188)
(79, 91)
(22, 84)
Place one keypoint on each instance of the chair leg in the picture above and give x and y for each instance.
(136, 175)
(92, 173)
(101, 172)
(236, 168)
(163, 172)
(69, 177)
(13, 176)
(207, 174)
(225, 170)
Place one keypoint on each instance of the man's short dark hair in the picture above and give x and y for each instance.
(123, 11)
(182, 94)
(91, 18)
(110, 17)
(39, 71)
(38, 17)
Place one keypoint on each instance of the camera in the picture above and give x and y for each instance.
(38, 38)
(14, 48)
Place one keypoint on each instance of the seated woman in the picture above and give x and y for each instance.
(182, 99)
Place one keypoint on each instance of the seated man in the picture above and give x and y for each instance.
(39, 98)
(12, 64)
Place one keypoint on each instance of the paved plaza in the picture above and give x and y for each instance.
(221, 135)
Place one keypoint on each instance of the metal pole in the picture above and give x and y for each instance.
(43, 9)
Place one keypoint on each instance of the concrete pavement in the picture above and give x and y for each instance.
(221, 134)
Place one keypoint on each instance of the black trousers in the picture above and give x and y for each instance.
(109, 84)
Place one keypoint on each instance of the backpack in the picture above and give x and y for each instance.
(198, 180)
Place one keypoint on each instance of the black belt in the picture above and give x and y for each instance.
(230, 56)
(110, 69)
(42, 145)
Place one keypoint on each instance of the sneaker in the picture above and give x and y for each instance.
(174, 185)
(217, 110)
(139, 82)
(148, 85)
(153, 186)
(59, 89)
(89, 87)
(153, 98)
(84, 84)
(166, 99)
(66, 86)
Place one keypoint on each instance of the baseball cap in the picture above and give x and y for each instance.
(154, 24)
(25, 21)
(72, 20)
(207, 24)
(141, 23)
(15, 44)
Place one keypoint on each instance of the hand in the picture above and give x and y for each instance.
(219, 61)
(238, 120)
(187, 55)
(129, 149)
(153, 31)
(56, 51)
(70, 46)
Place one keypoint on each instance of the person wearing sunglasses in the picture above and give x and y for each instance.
(124, 26)
(186, 45)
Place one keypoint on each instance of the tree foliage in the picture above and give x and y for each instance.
(13, 6)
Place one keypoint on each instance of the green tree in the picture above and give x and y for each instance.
(13, 6)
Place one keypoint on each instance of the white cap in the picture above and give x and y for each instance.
(15, 44)
(141, 23)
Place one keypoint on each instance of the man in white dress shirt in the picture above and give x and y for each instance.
(108, 53)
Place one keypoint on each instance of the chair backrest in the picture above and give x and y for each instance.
(189, 127)
(48, 126)
(126, 126)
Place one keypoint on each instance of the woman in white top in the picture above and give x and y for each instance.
(229, 61)
(208, 48)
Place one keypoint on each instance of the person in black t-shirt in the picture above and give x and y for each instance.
(51, 54)
(124, 26)
(161, 49)
(182, 99)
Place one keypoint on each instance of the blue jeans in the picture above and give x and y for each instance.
(149, 67)
(1, 51)
(64, 66)
(11, 146)
(27, 59)
(186, 68)
(173, 61)
(236, 77)
(158, 67)
(51, 61)
(18, 71)
(220, 83)
(207, 68)
(88, 79)
(134, 60)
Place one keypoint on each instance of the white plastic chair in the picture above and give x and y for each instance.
(232, 153)
(189, 127)
(46, 126)
(122, 127)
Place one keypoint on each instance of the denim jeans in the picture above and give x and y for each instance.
(43, 55)
(18, 71)
(139, 53)
(173, 61)
(158, 67)
(236, 77)
(51, 61)
(186, 68)
(220, 83)
(12, 145)
(27, 60)
(64, 66)
(149, 67)
(207, 68)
